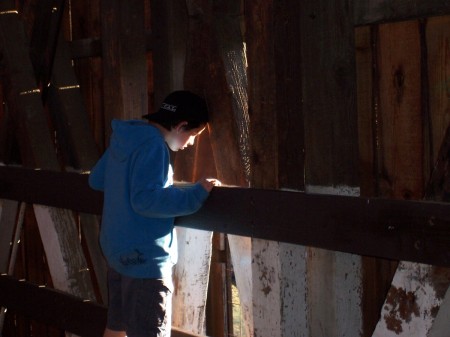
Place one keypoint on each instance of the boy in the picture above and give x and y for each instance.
(137, 234)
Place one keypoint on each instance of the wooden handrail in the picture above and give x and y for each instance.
(417, 231)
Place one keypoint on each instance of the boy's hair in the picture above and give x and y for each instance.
(181, 106)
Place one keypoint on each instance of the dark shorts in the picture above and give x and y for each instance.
(141, 307)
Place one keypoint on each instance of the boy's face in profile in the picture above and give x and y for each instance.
(180, 138)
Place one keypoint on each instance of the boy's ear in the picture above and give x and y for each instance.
(181, 126)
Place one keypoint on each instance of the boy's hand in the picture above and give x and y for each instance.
(209, 183)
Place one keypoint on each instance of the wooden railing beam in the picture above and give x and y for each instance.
(417, 231)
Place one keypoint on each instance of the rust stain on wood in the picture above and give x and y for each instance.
(403, 307)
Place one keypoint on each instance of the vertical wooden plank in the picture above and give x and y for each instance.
(438, 46)
(261, 92)
(266, 265)
(124, 60)
(8, 214)
(331, 156)
(291, 160)
(400, 111)
(422, 288)
(191, 280)
(291, 146)
(168, 46)
(365, 59)
(401, 141)
(279, 283)
(4, 120)
(85, 18)
(329, 100)
(192, 272)
(377, 273)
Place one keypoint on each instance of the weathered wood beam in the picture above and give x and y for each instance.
(417, 231)
(8, 214)
(365, 13)
(377, 11)
(58, 309)
(53, 307)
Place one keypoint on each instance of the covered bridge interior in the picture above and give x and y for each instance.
(329, 128)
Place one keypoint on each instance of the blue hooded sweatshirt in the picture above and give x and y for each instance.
(137, 234)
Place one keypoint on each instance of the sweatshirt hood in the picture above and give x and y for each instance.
(127, 136)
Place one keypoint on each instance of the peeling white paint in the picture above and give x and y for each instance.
(306, 292)
(279, 289)
(65, 257)
(413, 300)
(191, 276)
(334, 284)
(352, 191)
(294, 313)
(266, 271)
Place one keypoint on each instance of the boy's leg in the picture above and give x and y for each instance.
(147, 306)
(115, 322)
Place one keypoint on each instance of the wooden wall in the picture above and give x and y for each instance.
(402, 83)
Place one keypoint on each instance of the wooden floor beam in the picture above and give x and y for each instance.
(56, 308)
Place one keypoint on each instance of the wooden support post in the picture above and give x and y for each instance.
(328, 80)
(265, 255)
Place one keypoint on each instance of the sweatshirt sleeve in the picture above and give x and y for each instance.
(97, 175)
(149, 197)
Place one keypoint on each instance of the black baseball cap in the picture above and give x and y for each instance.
(180, 106)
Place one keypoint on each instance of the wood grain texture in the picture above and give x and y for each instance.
(376, 11)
